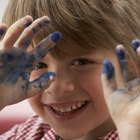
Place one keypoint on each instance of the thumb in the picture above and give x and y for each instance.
(40, 83)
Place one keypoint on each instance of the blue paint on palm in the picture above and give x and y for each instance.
(14, 63)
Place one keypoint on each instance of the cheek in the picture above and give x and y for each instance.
(91, 83)
(35, 103)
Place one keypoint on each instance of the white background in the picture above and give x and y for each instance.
(21, 109)
(3, 4)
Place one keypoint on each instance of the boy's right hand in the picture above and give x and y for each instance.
(16, 63)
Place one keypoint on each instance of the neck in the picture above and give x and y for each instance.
(100, 131)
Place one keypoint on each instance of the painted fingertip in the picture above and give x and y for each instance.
(52, 77)
(45, 78)
(121, 56)
(48, 75)
(135, 44)
(108, 69)
(56, 36)
(120, 53)
(26, 21)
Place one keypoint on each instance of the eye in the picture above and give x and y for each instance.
(41, 65)
(82, 61)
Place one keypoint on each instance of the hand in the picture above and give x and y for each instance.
(16, 63)
(123, 103)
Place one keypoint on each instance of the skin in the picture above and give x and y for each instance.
(70, 87)
(16, 63)
(77, 79)
(124, 102)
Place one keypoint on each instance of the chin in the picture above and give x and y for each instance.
(69, 135)
(69, 132)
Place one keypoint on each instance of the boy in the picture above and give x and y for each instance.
(72, 105)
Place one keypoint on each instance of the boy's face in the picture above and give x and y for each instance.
(74, 104)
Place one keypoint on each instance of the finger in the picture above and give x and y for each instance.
(3, 29)
(40, 83)
(26, 37)
(133, 83)
(135, 44)
(108, 79)
(126, 63)
(45, 45)
(15, 31)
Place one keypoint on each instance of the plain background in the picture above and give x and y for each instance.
(21, 109)
(3, 4)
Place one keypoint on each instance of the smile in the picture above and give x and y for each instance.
(67, 111)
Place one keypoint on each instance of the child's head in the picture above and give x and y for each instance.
(92, 24)
(91, 29)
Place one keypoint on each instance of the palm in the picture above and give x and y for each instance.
(15, 69)
(16, 63)
(124, 103)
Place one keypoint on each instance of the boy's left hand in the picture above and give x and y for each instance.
(123, 103)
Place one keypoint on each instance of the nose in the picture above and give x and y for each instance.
(61, 86)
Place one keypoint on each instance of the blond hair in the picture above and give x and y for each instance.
(88, 24)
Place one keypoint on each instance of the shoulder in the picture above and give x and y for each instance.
(33, 128)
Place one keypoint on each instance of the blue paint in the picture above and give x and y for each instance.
(108, 69)
(43, 80)
(14, 63)
(43, 23)
(7, 57)
(120, 53)
(31, 60)
(24, 75)
(135, 44)
(26, 43)
(25, 61)
(22, 60)
(121, 56)
(28, 24)
(13, 76)
(39, 53)
(56, 36)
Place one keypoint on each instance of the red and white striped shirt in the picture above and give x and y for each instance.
(35, 129)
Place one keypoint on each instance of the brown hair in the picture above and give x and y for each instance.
(87, 24)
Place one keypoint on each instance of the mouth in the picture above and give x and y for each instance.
(66, 111)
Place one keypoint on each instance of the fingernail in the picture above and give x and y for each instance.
(108, 69)
(120, 53)
(56, 36)
(45, 21)
(135, 44)
(26, 21)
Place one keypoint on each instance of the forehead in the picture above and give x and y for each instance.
(61, 52)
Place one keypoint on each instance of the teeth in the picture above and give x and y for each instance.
(74, 107)
(68, 109)
(79, 105)
(62, 110)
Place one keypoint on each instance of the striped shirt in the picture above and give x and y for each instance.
(35, 129)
